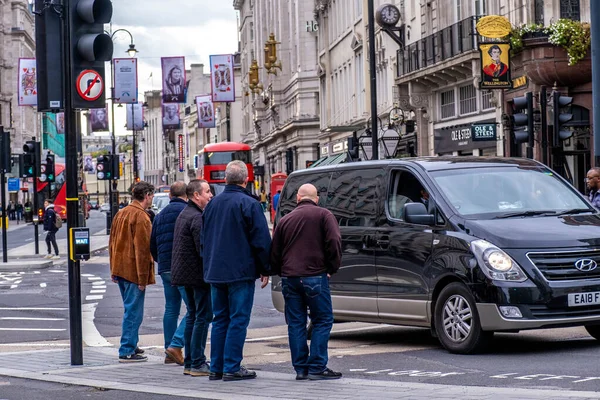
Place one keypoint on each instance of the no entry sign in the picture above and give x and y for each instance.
(90, 85)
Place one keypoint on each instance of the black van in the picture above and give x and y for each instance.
(468, 246)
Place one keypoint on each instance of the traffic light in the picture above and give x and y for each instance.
(353, 148)
(116, 166)
(104, 168)
(40, 214)
(30, 159)
(90, 48)
(49, 57)
(561, 118)
(5, 158)
(522, 123)
(50, 168)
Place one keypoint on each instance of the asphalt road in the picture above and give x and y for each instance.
(25, 235)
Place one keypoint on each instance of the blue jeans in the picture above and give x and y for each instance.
(173, 295)
(312, 293)
(133, 303)
(232, 306)
(196, 327)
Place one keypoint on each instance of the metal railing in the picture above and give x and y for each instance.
(442, 45)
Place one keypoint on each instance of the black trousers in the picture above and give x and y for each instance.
(51, 238)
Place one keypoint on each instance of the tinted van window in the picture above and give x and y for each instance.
(287, 199)
(404, 188)
(353, 196)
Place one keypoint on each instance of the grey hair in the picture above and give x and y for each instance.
(195, 185)
(236, 173)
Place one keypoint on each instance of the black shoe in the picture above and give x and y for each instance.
(301, 376)
(139, 351)
(132, 358)
(327, 374)
(242, 374)
(215, 376)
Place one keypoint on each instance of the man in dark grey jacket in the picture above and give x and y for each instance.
(187, 271)
(161, 247)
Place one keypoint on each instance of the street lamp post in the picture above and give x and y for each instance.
(113, 188)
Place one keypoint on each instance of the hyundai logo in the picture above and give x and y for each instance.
(586, 265)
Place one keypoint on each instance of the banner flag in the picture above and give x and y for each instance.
(126, 80)
(221, 79)
(206, 111)
(27, 85)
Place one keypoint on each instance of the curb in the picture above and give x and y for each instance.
(25, 265)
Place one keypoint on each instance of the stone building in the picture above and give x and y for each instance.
(281, 117)
(17, 40)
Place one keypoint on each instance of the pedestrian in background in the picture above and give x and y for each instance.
(19, 209)
(132, 266)
(276, 200)
(50, 228)
(187, 271)
(263, 200)
(236, 244)
(306, 251)
(161, 247)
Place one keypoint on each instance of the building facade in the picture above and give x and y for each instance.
(281, 110)
(17, 40)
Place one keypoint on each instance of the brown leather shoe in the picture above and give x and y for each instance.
(168, 360)
(175, 354)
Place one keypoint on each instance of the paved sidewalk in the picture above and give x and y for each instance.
(102, 370)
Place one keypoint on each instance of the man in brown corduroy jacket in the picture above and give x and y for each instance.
(132, 266)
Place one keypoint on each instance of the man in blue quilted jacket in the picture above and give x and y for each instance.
(235, 248)
(161, 247)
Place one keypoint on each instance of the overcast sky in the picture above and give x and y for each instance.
(191, 28)
(160, 28)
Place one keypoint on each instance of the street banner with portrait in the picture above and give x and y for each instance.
(99, 118)
(173, 78)
(89, 165)
(221, 78)
(60, 123)
(170, 116)
(126, 80)
(135, 112)
(206, 111)
(27, 85)
(495, 65)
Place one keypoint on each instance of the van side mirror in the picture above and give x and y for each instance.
(416, 213)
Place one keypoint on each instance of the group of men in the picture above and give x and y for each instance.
(210, 252)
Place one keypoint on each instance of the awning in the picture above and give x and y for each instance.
(330, 160)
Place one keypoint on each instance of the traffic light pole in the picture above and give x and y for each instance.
(544, 122)
(135, 163)
(4, 227)
(74, 271)
(373, 78)
(35, 211)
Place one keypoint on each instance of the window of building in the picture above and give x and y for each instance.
(486, 100)
(539, 12)
(251, 31)
(467, 99)
(480, 7)
(447, 104)
(570, 9)
(458, 10)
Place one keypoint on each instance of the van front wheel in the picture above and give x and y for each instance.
(457, 321)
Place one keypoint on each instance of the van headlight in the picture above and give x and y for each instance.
(495, 263)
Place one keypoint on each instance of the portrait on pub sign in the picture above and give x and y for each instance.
(495, 65)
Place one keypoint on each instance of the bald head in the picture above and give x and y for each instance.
(307, 192)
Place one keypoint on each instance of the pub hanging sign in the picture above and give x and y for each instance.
(495, 61)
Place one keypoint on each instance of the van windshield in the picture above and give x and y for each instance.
(506, 191)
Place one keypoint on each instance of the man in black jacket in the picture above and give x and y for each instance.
(306, 251)
(187, 271)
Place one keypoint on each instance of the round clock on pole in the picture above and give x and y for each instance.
(387, 15)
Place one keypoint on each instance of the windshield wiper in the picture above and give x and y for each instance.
(529, 213)
(575, 211)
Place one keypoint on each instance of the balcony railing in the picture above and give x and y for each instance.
(442, 45)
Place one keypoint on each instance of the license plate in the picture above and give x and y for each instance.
(584, 299)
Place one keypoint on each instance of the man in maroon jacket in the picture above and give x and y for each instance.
(306, 250)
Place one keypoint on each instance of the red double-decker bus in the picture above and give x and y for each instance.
(214, 159)
(58, 192)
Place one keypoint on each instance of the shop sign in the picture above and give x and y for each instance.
(493, 26)
(483, 132)
(520, 82)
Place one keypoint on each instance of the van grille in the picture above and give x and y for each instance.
(561, 266)
(544, 312)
